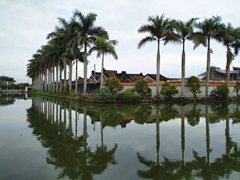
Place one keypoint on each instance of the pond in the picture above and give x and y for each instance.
(45, 138)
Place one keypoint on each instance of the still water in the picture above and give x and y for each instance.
(42, 138)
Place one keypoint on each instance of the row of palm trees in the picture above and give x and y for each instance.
(161, 29)
(72, 42)
(69, 44)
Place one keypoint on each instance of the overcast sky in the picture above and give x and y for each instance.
(24, 25)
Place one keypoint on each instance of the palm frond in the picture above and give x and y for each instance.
(198, 39)
(145, 40)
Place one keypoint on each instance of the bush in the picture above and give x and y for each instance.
(142, 89)
(194, 85)
(128, 96)
(168, 90)
(237, 88)
(220, 92)
(112, 88)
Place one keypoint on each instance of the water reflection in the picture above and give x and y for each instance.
(67, 151)
(56, 125)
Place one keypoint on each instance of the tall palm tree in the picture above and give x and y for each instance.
(230, 37)
(207, 30)
(103, 47)
(159, 29)
(184, 32)
(61, 36)
(86, 35)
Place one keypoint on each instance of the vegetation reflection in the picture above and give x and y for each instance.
(56, 125)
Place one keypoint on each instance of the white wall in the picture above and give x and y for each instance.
(187, 92)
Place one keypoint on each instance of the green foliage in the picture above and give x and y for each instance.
(142, 89)
(194, 85)
(6, 82)
(220, 92)
(112, 88)
(237, 88)
(128, 96)
(142, 114)
(168, 90)
(193, 116)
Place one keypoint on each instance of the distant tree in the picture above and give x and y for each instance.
(194, 85)
(220, 92)
(5, 81)
(112, 88)
(142, 89)
(168, 90)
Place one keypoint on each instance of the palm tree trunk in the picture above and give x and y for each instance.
(42, 84)
(70, 76)
(53, 81)
(48, 87)
(76, 120)
(65, 75)
(57, 81)
(183, 70)
(50, 80)
(158, 71)
(76, 78)
(60, 78)
(208, 67)
(45, 80)
(228, 67)
(157, 134)
(101, 82)
(85, 70)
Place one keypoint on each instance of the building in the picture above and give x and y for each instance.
(217, 74)
(152, 78)
(124, 77)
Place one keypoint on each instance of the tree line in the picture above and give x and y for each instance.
(74, 40)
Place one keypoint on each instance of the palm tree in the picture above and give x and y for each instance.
(230, 39)
(159, 29)
(207, 30)
(79, 58)
(104, 47)
(86, 35)
(61, 36)
(184, 32)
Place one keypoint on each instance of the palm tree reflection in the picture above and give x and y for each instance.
(70, 154)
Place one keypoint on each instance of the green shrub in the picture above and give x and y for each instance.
(237, 88)
(112, 88)
(142, 89)
(220, 92)
(168, 90)
(128, 96)
(194, 85)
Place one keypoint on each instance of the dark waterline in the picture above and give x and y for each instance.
(117, 141)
